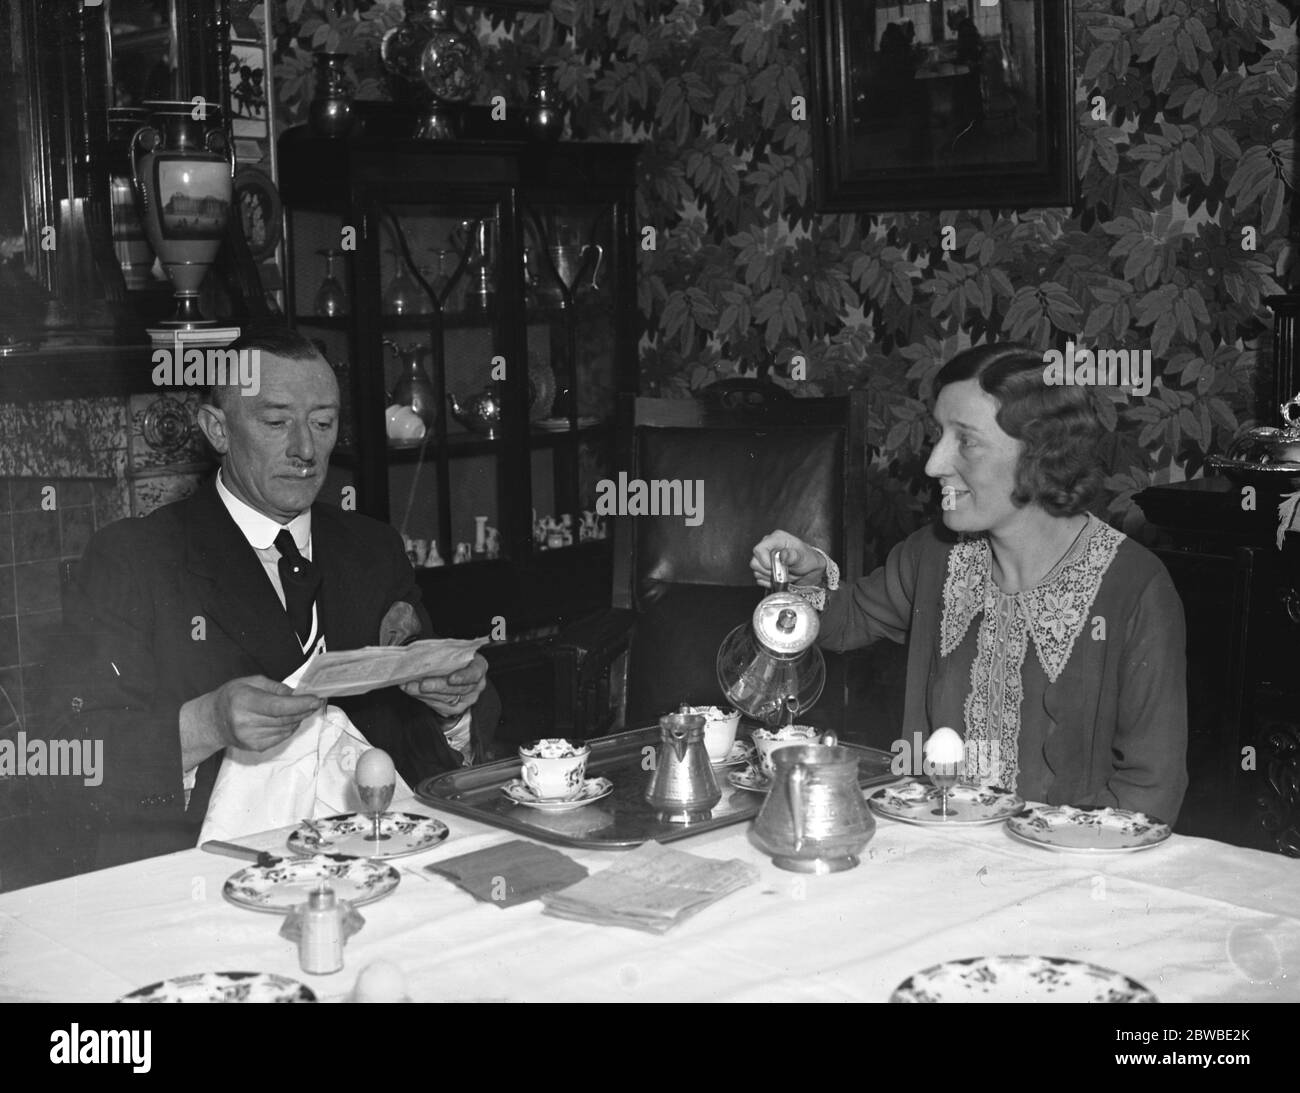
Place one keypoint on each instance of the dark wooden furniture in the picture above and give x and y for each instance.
(765, 463)
(1241, 595)
(503, 319)
(552, 347)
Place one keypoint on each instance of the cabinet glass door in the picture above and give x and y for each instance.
(570, 295)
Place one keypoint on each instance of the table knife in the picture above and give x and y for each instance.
(234, 850)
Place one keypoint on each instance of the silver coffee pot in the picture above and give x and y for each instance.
(682, 788)
(769, 668)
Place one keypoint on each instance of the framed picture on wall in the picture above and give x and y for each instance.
(948, 104)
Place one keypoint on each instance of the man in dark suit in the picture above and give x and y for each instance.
(181, 626)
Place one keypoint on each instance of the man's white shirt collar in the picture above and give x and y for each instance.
(259, 529)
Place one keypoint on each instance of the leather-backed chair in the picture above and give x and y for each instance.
(765, 462)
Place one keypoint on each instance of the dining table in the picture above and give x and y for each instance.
(1191, 919)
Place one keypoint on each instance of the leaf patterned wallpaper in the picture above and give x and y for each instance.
(1195, 144)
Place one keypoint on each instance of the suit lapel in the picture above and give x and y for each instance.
(234, 591)
(334, 553)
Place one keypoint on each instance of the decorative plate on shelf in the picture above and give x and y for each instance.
(279, 888)
(400, 833)
(1019, 979)
(1087, 830)
(968, 806)
(541, 388)
(259, 207)
(224, 987)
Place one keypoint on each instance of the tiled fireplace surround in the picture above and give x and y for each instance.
(66, 469)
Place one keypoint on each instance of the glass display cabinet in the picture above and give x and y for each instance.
(477, 299)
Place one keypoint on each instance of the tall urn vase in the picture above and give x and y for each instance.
(183, 172)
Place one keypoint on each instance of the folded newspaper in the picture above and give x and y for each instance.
(651, 888)
(356, 671)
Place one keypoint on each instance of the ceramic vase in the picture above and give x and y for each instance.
(544, 118)
(331, 109)
(182, 171)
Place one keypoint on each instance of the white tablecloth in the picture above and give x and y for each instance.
(1194, 920)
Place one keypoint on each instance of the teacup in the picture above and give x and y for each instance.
(719, 730)
(555, 770)
(766, 742)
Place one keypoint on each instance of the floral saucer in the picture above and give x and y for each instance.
(1087, 830)
(741, 752)
(1019, 979)
(400, 833)
(751, 778)
(281, 887)
(224, 987)
(968, 806)
(593, 789)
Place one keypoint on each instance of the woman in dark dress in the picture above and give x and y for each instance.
(1053, 642)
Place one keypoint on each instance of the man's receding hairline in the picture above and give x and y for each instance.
(219, 396)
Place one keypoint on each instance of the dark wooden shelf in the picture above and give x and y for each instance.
(465, 444)
(133, 41)
(455, 320)
(76, 371)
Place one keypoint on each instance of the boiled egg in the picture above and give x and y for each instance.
(381, 981)
(375, 768)
(944, 747)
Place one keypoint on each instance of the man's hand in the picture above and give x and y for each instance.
(254, 712)
(451, 695)
(804, 565)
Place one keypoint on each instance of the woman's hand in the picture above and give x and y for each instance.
(803, 563)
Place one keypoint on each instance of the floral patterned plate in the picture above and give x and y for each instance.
(741, 752)
(1087, 830)
(751, 778)
(281, 887)
(968, 806)
(1019, 979)
(593, 789)
(400, 833)
(224, 987)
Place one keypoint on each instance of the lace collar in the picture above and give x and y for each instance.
(1055, 610)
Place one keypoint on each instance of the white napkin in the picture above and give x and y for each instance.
(308, 775)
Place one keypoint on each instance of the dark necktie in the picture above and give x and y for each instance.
(300, 580)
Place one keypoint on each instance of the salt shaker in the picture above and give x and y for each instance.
(320, 944)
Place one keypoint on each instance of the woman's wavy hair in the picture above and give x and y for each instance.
(1059, 466)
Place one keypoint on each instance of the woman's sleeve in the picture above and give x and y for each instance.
(1150, 743)
(876, 606)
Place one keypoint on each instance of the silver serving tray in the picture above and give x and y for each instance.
(620, 821)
